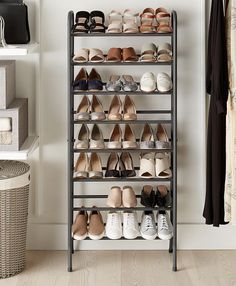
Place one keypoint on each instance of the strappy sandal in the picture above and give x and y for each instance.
(97, 20)
(164, 21)
(147, 166)
(163, 166)
(148, 52)
(130, 24)
(96, 56)
(147, 21)
(114, 55)
(82, 56)
(115, 22)
(129, 55)
(164, 53)
(82, 22)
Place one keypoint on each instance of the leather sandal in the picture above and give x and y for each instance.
(81, 80)
(115, 109)
(97, 22)
(81, 22)
(94, 81)
(163, 166)
(129, 55)
(148, 52)
(147, 21)
(130, 24)
(82, 56)
(115, 22)
(126, 165)
(129, 110)
(114, 55)
(164, 21)
(96, 56)
(147, 165)
(95, 167)
(164, 53)
(112, 170)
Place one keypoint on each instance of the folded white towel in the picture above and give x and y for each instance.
(5, 124)
(5, 137)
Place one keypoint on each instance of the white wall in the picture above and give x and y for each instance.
(47, 229)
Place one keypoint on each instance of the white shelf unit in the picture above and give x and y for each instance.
(30, 144)
(19, 50)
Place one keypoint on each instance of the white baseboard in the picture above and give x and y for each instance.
(190, 237)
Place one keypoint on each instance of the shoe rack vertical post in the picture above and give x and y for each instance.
(173, 121)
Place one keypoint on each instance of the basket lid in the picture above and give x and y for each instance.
(13, 174)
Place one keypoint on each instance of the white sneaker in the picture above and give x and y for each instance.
(148, 226)
(113, 226)
(130, 225)
(164, 226)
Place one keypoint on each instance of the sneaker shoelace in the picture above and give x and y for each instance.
(114, 220)
(130, 221)
(163, 223)
(148, 222)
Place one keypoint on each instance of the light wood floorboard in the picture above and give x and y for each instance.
(127, 268)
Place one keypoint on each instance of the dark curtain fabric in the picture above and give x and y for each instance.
(217, 87)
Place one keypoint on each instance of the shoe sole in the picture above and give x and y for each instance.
(131, 237)
(166, 237)
(96, 237)
(149, 237)
(77, 237)
(114, 237)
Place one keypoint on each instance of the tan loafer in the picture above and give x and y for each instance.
(79, 227)
(114, 199)
(96, 226)
(128, 197)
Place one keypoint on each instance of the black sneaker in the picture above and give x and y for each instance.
(148, 196)
(163, 196)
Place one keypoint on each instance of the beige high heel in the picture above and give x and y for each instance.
(82, 112)
(81, 167)
(115, 109)
(129, 109)
(95, 167)
(115, 138)
(96, 141)
(162, 139)
(82, 141)
(97, 112)
(129, 141)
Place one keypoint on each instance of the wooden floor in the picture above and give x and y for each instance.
(127, 268)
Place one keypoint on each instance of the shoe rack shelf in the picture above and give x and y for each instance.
(172, 112)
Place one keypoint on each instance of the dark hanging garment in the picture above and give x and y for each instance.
(217, 87)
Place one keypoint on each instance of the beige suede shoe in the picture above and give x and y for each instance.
(114, 199)
(96, 226)
(128, 197)
(79, 227)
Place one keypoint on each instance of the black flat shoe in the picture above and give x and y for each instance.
(126, 165)
(148, 198)
(113, 166)
(163, 196)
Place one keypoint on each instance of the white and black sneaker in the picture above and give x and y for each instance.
(130, 225)
(164, 226)
(148, 226)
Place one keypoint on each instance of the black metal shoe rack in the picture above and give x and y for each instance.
(71, 138)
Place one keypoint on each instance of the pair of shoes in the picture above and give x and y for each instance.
(115, 109)
(126, 84)
(152, 53)
(155, 165)
(95, 229)
(120, 167)
(162, 197)
(155, 21)
(96, 140)
(148, 229)
(86, 22)
(125, 197)
(92, 55)
(147, 138)
(86, 167)
(87, 109)
(116, 55)
(149, 84)
(114, 225)
(115, 140)
(92, 82)
(123, 22)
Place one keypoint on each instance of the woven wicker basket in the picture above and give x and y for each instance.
(14, 194)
